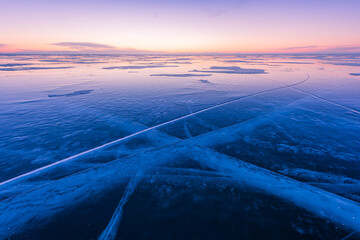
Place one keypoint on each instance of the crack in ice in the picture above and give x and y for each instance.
(112, 143)
(111, 229)
(291, 86)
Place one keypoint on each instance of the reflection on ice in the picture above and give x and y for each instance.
(15, 64)
(139, 67)
(348, 64)
(30, 68)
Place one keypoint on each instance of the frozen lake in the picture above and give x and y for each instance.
(180, 147)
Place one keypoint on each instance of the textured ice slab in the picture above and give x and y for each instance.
(76, 93)
(180, 75)
(344, 186)
(138, 67)
(214, 208)
(205, 81)
(323, 204)
(50, 199)
(80, 129)
(293, 62)
(273, 141)
(232, 70)
(92, 158)
(243, 109)
(62, 195)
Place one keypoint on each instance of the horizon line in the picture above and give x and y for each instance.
(176, 53)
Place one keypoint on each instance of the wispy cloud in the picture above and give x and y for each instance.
(2, 45)
(344, 49)
(323, 49)
(90, 48)
(300, 48)
(81, 46)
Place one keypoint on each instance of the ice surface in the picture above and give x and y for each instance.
(238, 155)
(46, 200)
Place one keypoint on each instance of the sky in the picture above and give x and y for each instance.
(186, 26)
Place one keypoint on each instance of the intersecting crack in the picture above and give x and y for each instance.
(337, 209)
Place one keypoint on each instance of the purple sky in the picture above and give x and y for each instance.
(180, 26)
